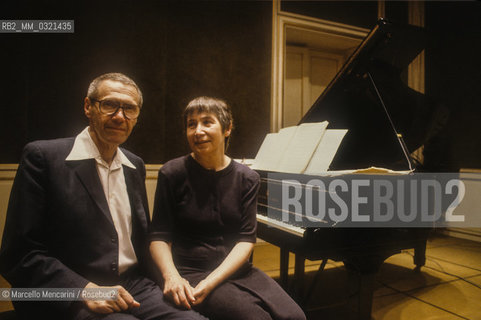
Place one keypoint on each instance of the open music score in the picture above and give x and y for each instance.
(307, 148)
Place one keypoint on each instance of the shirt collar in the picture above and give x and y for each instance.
(85, 148)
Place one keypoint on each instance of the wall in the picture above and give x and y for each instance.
(453, 79)
(452, 63)
(175, 50)
(357, 13)
(220, 49)
(7, 174)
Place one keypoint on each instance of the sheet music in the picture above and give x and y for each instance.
(272, 149)
(299, 151)
(325, 152)
(266, 152)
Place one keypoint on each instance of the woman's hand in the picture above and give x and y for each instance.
(201, 291)
(236, 258)
(179, 291)
(176, 288)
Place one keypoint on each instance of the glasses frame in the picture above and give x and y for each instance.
(121, 106)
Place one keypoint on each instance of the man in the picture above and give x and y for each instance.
(78, 216)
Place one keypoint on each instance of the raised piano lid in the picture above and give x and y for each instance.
(350, 101)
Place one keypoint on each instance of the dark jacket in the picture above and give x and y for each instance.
(59, 232)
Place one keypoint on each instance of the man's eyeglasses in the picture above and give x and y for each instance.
(111, 107)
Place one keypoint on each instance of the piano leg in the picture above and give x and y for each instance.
(362, 272)
(361, 279)
(361, 288)
(361, 276)
(298, 285)
(284, 268)
(419, 256)
(420, 249)
(299, 270)
(314, 282)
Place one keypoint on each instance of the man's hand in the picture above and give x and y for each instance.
(179, 291)
(201, 291)
(123, 302)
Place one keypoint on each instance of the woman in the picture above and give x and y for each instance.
(204, 226)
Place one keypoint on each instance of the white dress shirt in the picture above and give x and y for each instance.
(113, 182)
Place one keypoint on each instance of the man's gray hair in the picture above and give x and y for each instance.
(92, 92)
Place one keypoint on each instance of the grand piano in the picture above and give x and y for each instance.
(386, 122)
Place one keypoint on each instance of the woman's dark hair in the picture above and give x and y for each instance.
(215, 106)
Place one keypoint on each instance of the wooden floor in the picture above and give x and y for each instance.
(447, 288)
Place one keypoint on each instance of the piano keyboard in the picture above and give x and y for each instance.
(297, 231)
